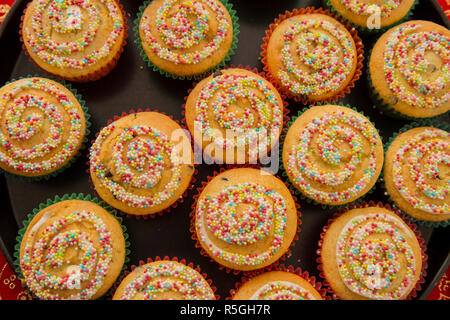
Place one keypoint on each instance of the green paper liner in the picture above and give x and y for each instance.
(166, 258)
(411, 225)
(294, 189)
(203, 252)
(367, 31)
(49, 202)
(87, 116)
(418, 123)
(231, 51)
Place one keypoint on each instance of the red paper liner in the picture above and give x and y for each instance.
(92, 76)
(150, 215)
(411, 225)
(158, 258)
(353, 32)
(281, 267)
(286, 111)
(203, 252)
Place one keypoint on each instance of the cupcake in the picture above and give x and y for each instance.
(245, 219)
(141, 163)
(312, 56)
(409, 70)
(43, 127)
(370, 253)
(277, 285)
(186, 38)
(71, 250)
(416, 174)
(74, 40)
(164, 280)
(235, 115)
(332, 154)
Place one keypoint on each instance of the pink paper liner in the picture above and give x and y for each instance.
(411, 225)
(166, 258)
(353, 32)
(197, 244)
(150, 215)
(281, 267)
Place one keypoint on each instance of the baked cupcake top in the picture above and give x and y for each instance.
(409, 68)
(277, 285)
(416, 173)
(245, 218)
(42, 126)
(371, 253)
(164, 280)
(186, 37)
(312, 56)
(235, 115)
(73, 39)
(72, 249)
(332, 154)
(141, 163)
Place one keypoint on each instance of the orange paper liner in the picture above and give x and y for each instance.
(150, 215)
(411, 225)
(158, 258)
(281, 267)
(92, 76)
(353, 32)
(203, 252)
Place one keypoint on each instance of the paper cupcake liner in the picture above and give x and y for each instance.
(92, 76)
(49, 202)
(298, 271)
(411, 225)
(179, 201)
(166, 258)
(234, 20)
(365, 30)
(203, 252)
(87, 116)
(418, 123)
(308, 10)
(286, 111)
(294, 189)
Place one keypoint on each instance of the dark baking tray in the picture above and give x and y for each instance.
(132, 85)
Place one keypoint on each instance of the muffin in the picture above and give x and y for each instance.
(416, 173)
(164, 280)
(277, 285)
(332, 154)
(408, 70)
(235, 115)
(43, 127)
(186, 38)
(74, 40)
(370, 253)
(141, 163)
(245, 219)
(72, 250)
(312, 56)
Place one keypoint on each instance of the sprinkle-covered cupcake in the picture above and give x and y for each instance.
(43, 127)
(409, 70)
(370, 253)
(186, 38)
(277, 285)
(245, 219)
(235, 115)
(417, 175)
(74, 40)
(141, 163)
(332, 154)
(72, 250)
(164, 280)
